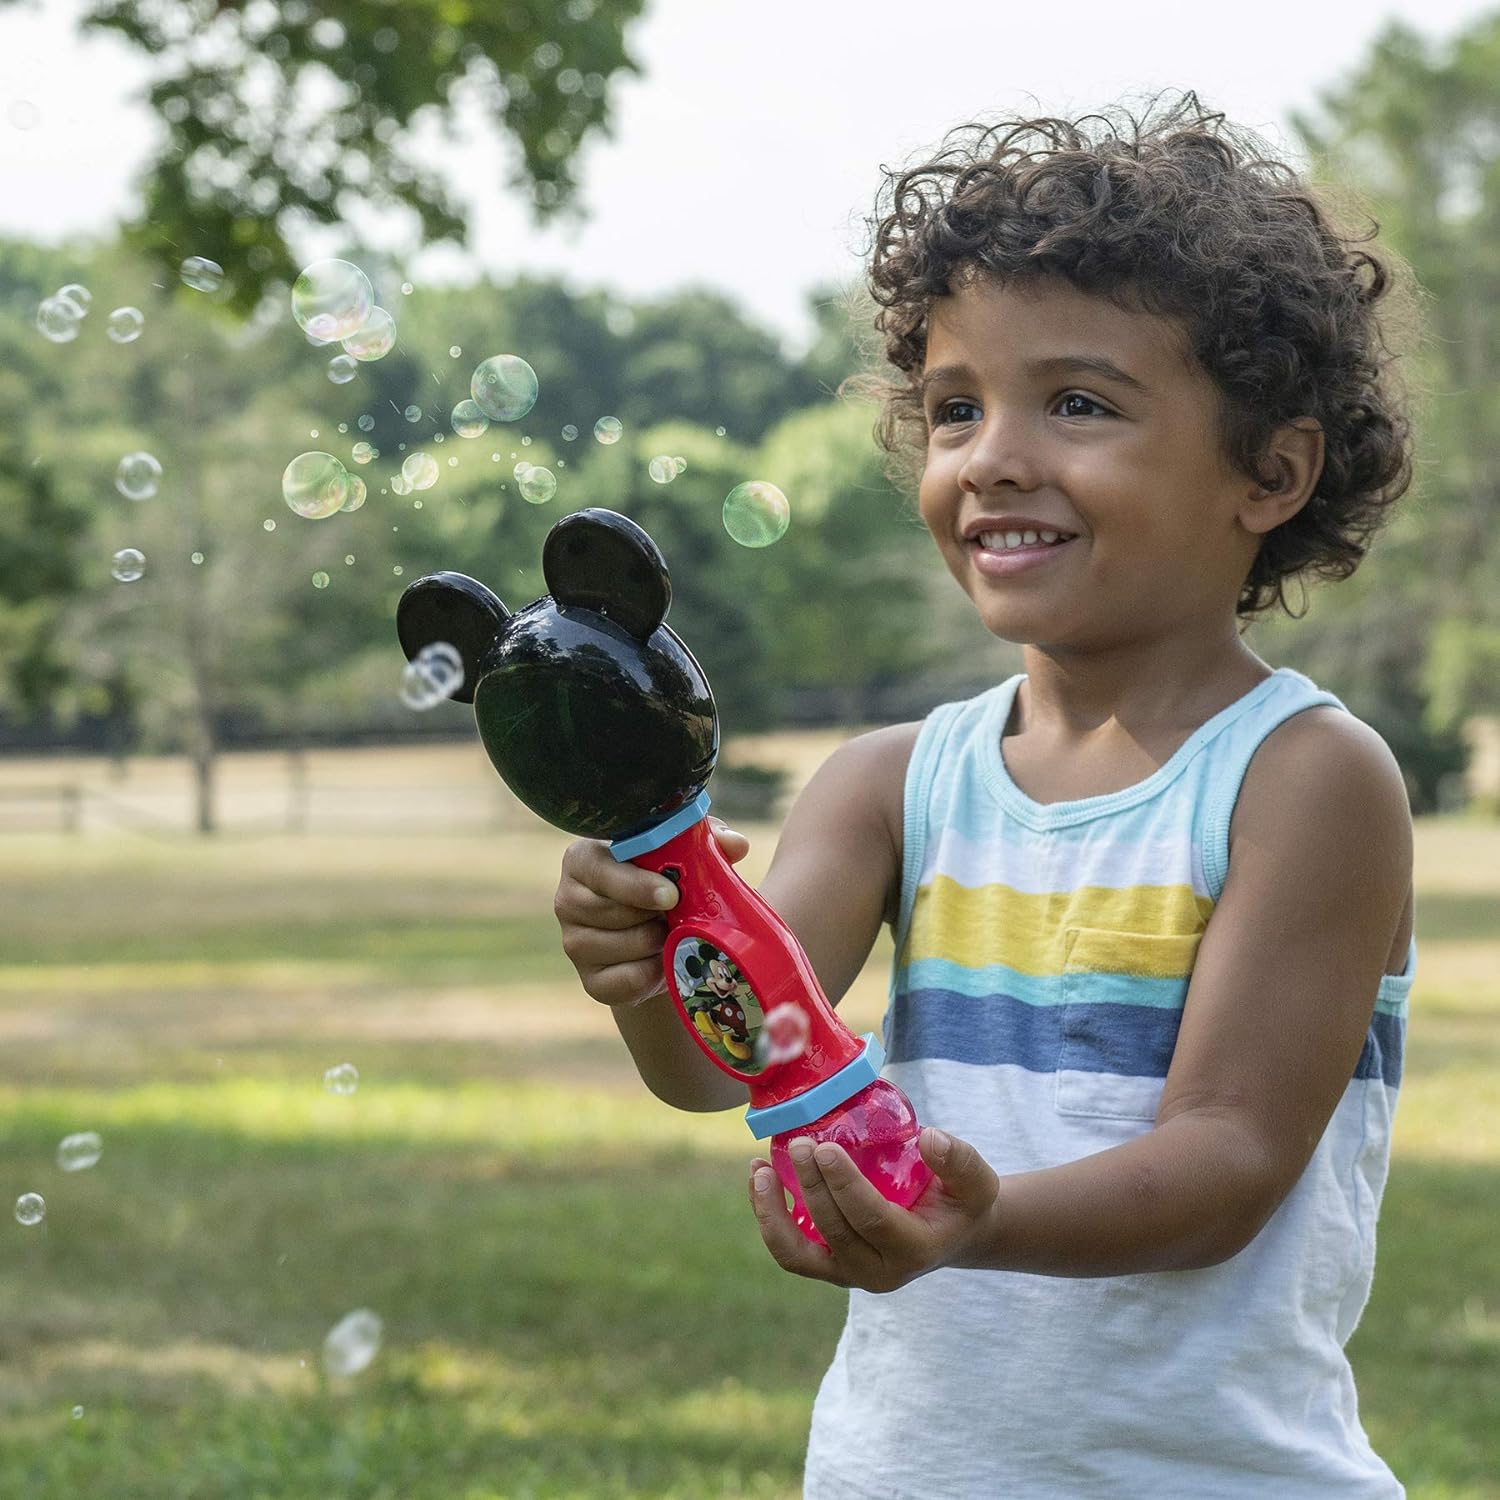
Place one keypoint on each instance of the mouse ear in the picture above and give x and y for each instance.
(599, 559)
(454, 608)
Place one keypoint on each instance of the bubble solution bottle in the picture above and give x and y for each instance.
(730, 961)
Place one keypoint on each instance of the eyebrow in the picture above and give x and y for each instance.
(1059, 364)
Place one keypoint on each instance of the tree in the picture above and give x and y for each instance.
(1417, 129)
(282, 114)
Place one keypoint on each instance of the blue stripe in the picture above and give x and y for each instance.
(1131, 1040)
(1038, 989)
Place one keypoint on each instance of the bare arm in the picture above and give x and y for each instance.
(1276, 1015)
(831, 881)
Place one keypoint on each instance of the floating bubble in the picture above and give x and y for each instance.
(406, 289)
(320, 579)
(521, 468)
(681, 465)
(341, 1078)
(662, 469)
(128, 564)
(332, 299)
(57, 319)
(31, 1208)
(468, 421)
(137, 476)
(537, 485)
(608, 429)
(366, 423)
(420, 471)
(784, 1036)
(352, 1343)
(356, 493)
(362, 453)
(569, 432)
(268, 525)
(375, 338)
(342, 368)
(504, 387)
(314, 485)
(349, 560)
(125, 324)
(413, 413)
(453, 462)
(756, 513)
(202, 274)
(718, 432)
(23, 114)
(77, 1413)
(197, 559)
(400, 484)
(436, 672)
(454, 351)
(76, 1153)
(79, 295)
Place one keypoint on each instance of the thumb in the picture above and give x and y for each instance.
(735, 845)
(961, 1169)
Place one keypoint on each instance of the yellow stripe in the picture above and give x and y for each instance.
(995, 924)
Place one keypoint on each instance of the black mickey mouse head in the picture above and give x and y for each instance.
(592, 710)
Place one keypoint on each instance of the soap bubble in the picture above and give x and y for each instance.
(268, 524)
(366, 423)
(125, 324)
(78, 294)
(332, 299)
(436, 672)
(202, 274)
(31, 1208)
(420, 471)
(504, 387)
(76, 1153)
(320, 579)
(355, 493)
(662, 469)
(537, 485)
(756, 513)
(197, 559)
(413, 413)
(362, 453)
(608, 429)
(128, 564)
(520, 469)
(352, 1343)
(341, 1078)
(468, 421)
(569, 432)
(57, 319)
(137, 476)
(375, 339)
(342, 368)
(718, 432)
(400, 484)
(454, 351)
(314, 485)
(784, 1036)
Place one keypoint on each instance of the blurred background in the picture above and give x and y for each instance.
(377, 1205)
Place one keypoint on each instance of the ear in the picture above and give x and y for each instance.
(598, 559)
(1290, 470)
(454, 608)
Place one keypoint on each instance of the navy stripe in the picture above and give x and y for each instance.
(1135, 1041)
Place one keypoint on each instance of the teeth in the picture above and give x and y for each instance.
(1000, 541)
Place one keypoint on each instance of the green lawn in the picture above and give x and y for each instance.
(574, 1298)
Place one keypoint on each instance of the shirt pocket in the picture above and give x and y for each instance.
(1122, 999)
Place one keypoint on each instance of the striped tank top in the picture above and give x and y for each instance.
(1043, 953)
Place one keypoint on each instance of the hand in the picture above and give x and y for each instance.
(610, 914)
(872, 1243)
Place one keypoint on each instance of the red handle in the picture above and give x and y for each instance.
(729, 961)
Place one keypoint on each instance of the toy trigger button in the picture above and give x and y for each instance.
(674, 875)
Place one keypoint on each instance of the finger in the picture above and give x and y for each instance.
(789, 1247)
(872, 1218)
(595, 886)
(625, 984)
(821, 1204)
(962, 1171)
(735, 845)
(599, 947)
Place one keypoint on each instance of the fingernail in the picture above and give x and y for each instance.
(941, 1140)
(825, 1155)
(800, 1151)
(666, 895)
(764, 1177)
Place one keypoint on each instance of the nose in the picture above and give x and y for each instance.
(1002, 453)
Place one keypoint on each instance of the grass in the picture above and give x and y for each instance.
(575, 1301)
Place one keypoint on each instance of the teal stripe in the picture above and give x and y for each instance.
(1040, 989)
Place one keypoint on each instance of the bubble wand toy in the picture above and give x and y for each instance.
(598, 718)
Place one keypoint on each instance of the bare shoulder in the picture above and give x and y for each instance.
(1324, 790)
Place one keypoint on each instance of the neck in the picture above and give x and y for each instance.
(1138, 686)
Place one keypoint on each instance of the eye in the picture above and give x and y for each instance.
(1067, 407)
(955, 411)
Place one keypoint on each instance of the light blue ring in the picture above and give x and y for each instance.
(663, 832)
(818, 1100)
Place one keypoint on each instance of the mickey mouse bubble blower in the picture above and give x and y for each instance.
(598, 718)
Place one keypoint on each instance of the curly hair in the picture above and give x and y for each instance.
(1187, 217)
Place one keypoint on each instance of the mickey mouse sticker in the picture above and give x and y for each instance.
(719, 1001)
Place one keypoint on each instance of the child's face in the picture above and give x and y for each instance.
(1130, 463)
